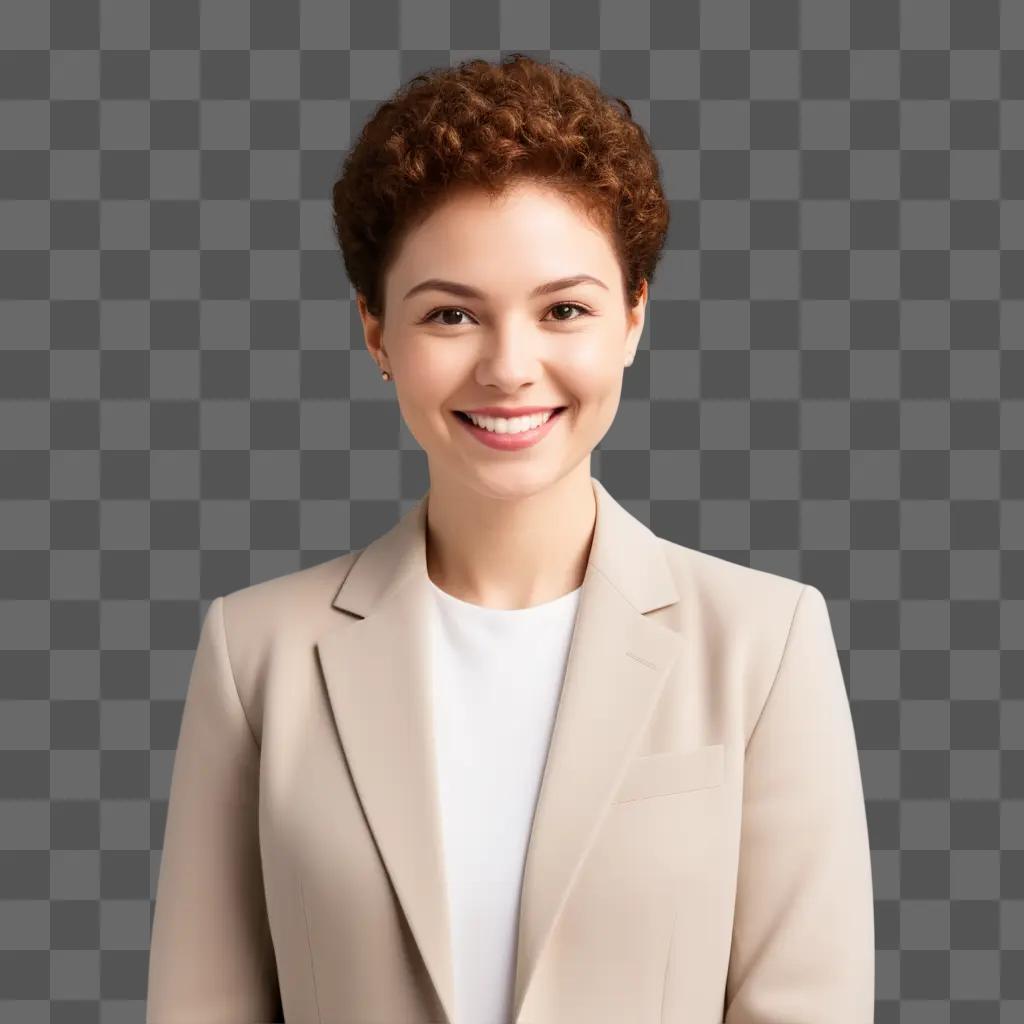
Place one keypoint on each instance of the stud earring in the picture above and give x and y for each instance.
(385, 374)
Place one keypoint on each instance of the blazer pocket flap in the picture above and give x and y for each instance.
(674, 771)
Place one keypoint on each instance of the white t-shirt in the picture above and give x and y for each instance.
(497, 682)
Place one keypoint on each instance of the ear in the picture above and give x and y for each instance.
(373, 329)
(636, 317)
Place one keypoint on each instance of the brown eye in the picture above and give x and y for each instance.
(571, 305)
(447, 309)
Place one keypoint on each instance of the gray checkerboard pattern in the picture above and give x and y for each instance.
(830, 386)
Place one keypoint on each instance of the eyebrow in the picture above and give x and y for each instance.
(436, 284)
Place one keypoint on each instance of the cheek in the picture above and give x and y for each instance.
(595, 364)
(423, 385)
(599, 399)
(594, 383)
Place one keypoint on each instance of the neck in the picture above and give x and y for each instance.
(510, 552)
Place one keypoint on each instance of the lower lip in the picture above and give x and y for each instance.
(510, 442)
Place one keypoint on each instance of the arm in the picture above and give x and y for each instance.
(211, 956)
(803, 933)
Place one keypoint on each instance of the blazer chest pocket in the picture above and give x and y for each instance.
(674, 771)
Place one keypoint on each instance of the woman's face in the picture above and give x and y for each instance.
(449, 350)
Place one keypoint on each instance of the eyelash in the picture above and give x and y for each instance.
(584, 311)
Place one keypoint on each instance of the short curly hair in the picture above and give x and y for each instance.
(486, 126)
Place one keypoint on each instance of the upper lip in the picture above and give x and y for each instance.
(508, 412)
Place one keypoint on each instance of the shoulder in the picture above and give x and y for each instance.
(727, 585)
(287, 605)
(738, 611)
(741, 621)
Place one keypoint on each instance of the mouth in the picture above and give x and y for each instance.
(554, 412)
(505, 442)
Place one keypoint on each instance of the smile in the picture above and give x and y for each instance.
(506, 441)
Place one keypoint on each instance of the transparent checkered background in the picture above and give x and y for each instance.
(830, 386)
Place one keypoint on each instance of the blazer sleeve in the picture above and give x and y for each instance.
(211, 955)
(803, 944)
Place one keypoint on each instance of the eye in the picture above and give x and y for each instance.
(571, 305)
(583, 310)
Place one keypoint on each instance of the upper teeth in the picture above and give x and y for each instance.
(511, 426)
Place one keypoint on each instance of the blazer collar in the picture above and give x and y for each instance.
(377, 670)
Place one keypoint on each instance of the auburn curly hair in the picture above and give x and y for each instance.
(484, 126)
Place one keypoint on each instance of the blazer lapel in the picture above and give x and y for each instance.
(376, 664)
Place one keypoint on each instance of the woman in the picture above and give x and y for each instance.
(518, 759)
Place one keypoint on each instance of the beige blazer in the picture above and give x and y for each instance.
(699, 851)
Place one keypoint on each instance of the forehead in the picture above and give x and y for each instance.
(528, 225)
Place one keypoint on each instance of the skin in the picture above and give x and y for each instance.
(507, 530)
